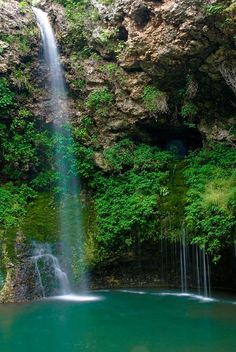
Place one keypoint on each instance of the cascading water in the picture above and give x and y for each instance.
(194, 267)
(183, 261)
(43, 258)
(197, 269)
(69, 219)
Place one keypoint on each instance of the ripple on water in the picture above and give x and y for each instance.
(175, 294)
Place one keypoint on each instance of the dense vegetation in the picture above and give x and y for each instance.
(211, 197)
(127, 198)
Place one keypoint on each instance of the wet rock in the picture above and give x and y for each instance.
(20, 283)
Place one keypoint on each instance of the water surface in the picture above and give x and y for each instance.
(120, 321)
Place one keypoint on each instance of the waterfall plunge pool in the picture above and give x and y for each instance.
(120, 321)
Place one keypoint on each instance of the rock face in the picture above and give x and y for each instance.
(179, 47)
(18, 35)
(182, 48)
(21, 283)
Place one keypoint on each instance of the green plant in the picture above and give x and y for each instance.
(83, 131)
(12, 204)
(21, 80)
(79, 84)
(210, 212)
(127, 199)
(154, 99)
(80, 133)
(87, 122)
(106, 35)
(23, 6)
(77, 14)
(99, 100)
(189, 109)
(8, 38)
(110, 69)
(80, 158)
(6, 95)
(23, 45)
(214, 9)
(25, 148)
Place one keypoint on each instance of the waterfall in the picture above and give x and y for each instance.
(43, 257)
(183, 261)
(194, 267)
(198, 269)
(69, 218)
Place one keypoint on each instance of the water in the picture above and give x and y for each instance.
(69, 218)
(43, 257)
(194, 267)
(141, 321)
(183, 262)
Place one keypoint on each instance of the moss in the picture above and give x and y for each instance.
(91, 250)
(173, 205)
(40, 222)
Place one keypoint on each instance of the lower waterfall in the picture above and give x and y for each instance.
(47, 265)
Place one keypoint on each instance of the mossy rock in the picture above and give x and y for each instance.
(40, 223)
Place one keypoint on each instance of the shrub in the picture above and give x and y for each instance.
(127, 199)
(214, 9)
(99, 100)
(210, 212)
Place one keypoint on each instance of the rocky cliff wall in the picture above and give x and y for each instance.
(165, 63)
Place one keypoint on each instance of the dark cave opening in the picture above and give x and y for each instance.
(122, 34)
(142, 16)
(180, 140)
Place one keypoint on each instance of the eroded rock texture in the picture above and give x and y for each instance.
(179, 47)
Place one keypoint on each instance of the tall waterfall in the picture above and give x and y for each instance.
(69, 219)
